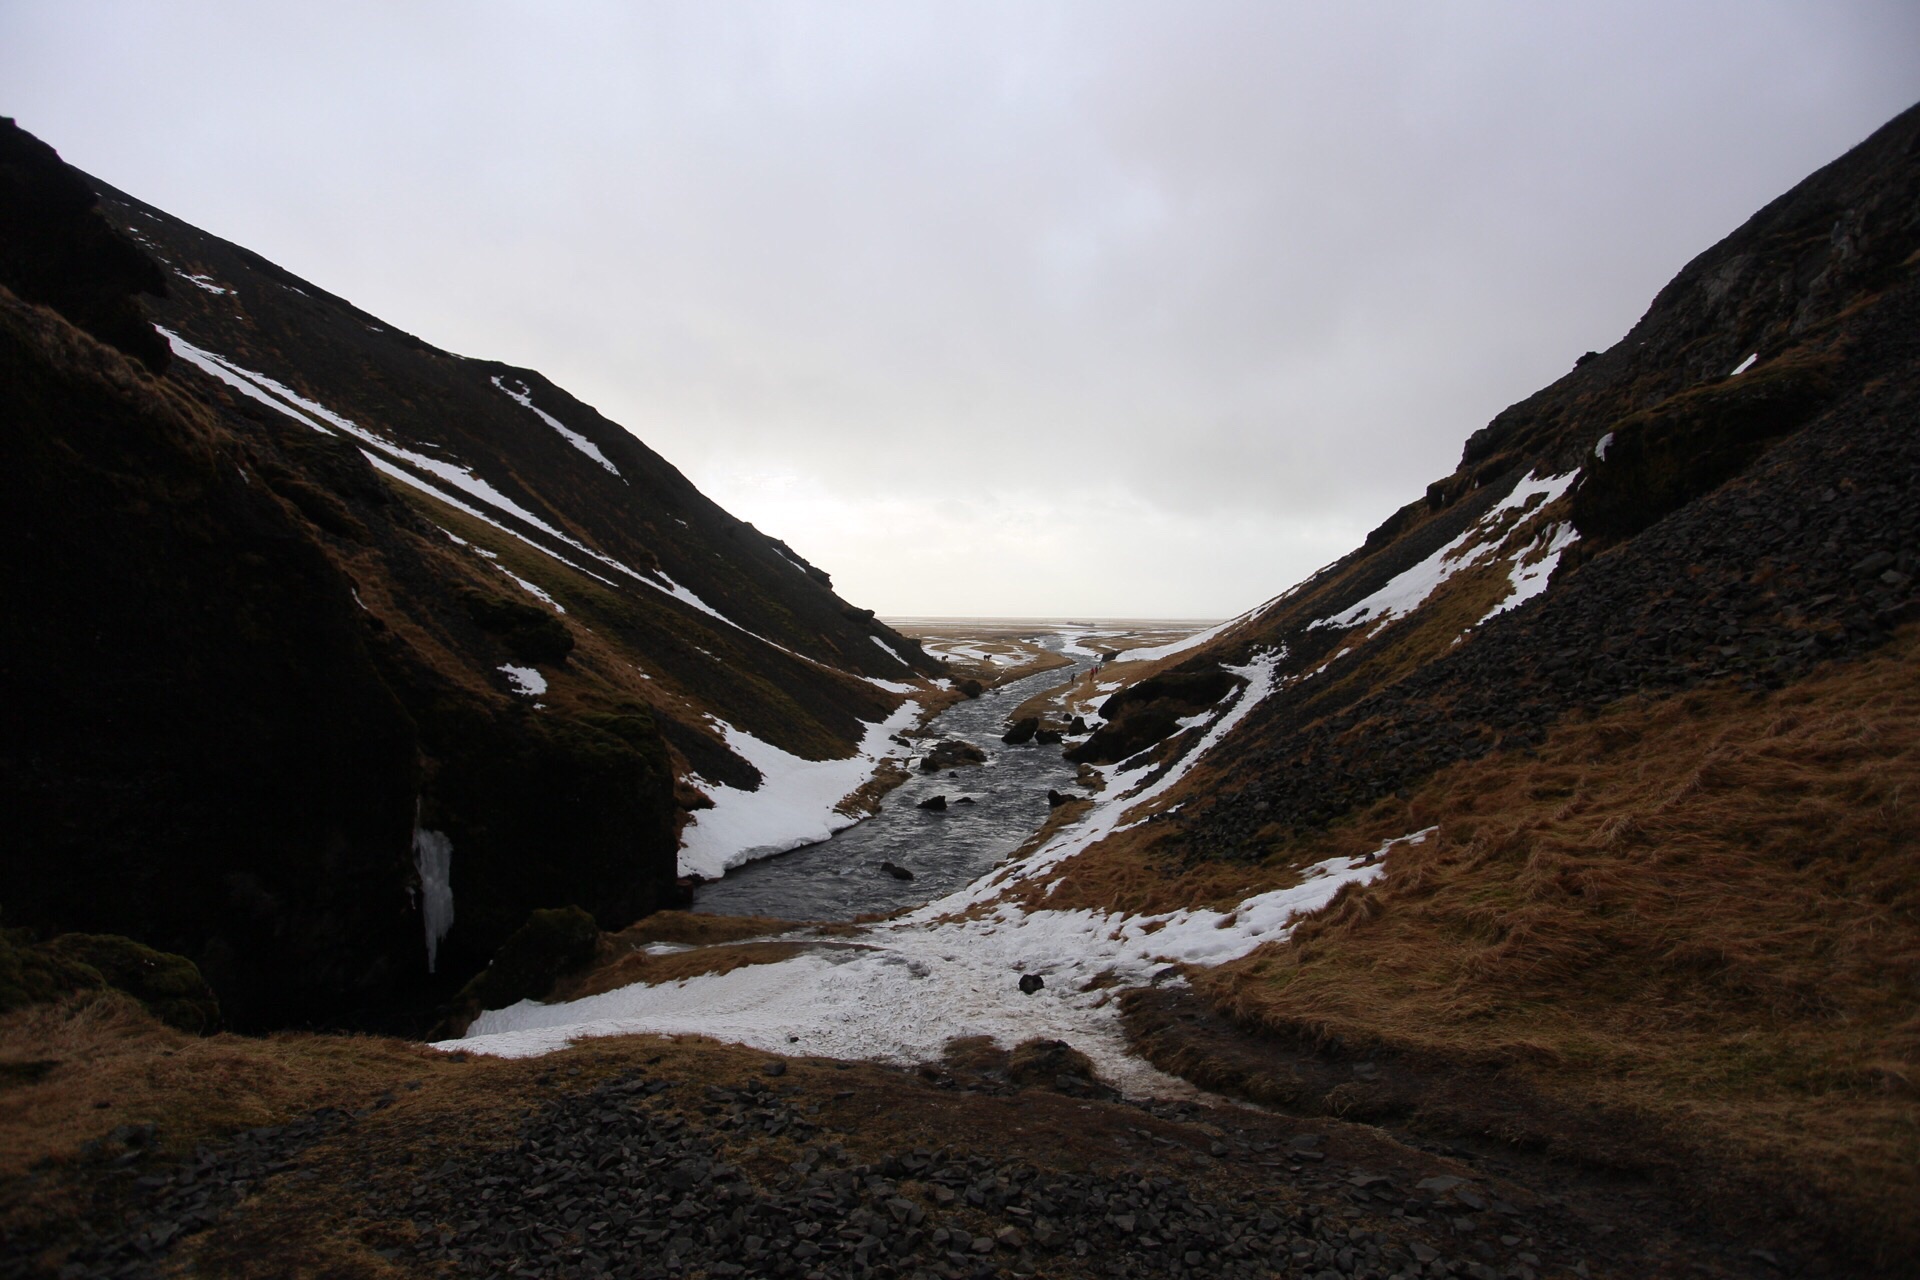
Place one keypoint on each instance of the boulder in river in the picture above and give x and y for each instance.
(897, 872)
(1022, 731)
(1057, 798)
(972, 688)
(934, 804)
(949, 753)
(1048, 737)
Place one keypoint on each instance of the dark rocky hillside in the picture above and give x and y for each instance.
(328, 652)
(1725, 494)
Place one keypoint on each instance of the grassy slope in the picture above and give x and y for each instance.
(1701, 913)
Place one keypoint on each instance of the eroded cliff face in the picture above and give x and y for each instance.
(333, 654)
(1725, 493)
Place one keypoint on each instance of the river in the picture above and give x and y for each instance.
(991, 810)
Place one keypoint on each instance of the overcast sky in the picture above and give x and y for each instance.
(1098, 309)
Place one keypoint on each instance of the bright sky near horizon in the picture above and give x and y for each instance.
(1092, 309)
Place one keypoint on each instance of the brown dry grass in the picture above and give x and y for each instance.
(720, 944)
(638, 966)
(1083, 696)
(115, 1065)
(1123, 873)
(865, 802)
(1017, 653)
(697, 930)
(1706, 908)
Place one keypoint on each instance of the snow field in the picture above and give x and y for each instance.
(795, 802)
(908, 988)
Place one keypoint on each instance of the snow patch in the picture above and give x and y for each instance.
(524, 398)
(201, 282)
(209, 363)
(1529, 580)
(1409, 590)
(1744, 365)
(794, 804)
(387, 456)
(1160, 651)
(278, 396)
(1600, 448)
(525, 680)
(532, 590)
(403, 476)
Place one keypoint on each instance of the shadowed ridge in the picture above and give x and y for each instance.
(56, 249)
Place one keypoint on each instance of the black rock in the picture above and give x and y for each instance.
(898, 872)
(934, 804)
(948, 754)
(1031, 982)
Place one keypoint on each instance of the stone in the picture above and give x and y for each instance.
(950, 754)
(897, 872)
(1031, 982)
(934, 804)
(1022, 731)
(1440, 1185)
(1054, 1062)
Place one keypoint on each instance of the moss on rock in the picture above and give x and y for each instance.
(170, 986)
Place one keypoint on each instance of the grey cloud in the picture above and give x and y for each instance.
(1214, 287)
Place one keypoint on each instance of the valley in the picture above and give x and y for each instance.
(448, 843)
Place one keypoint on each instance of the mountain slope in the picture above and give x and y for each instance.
(1642, 668)
(345, 653)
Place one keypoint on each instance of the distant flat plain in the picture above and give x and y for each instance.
(997, 650)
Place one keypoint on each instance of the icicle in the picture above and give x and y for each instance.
(433, 858)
